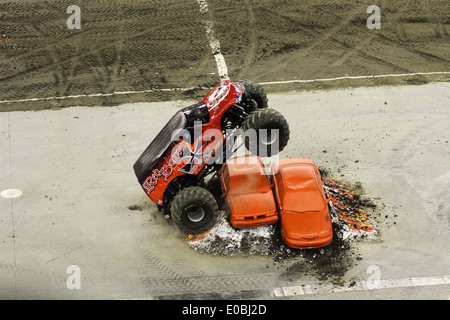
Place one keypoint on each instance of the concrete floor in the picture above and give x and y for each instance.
(81, 204)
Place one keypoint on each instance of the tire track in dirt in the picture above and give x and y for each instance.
(116, 23)
(439, 18)
(60, 64)
(412, 49)
(252, 41)
(173, 275)
(50, 55)
(138, 45)
(428, 191)
(321, 39)
(405, 43)
(168, 277)
(63, 75)
(364, 49)
(349, 54)
(254, 45)
(398, 25)
(361, 47)
(51, 40)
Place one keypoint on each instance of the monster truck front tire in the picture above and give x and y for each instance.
(194, 210)
(256, 92)
(271, 129)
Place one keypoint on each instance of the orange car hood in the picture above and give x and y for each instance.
(305, 225)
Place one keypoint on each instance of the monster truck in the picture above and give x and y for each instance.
(195, 143)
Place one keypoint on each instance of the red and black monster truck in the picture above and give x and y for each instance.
(196, 142)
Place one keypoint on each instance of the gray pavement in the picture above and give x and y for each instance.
(81, 204)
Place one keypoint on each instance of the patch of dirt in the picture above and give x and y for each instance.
(152, 45)
(136, 207)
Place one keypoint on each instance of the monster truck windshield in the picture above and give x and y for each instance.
(158, 146)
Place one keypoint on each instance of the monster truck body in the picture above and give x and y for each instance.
(192, 145)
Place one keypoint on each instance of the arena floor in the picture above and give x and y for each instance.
(370, 107)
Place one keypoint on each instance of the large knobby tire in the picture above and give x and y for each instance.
(194, 210)
(256, 92)
(271, 129)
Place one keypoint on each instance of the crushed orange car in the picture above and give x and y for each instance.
(303, 205)
(293, 193)
(248, 192)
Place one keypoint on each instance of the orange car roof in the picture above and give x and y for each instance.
(245, 175)
(301, 185)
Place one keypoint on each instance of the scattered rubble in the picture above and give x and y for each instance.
(351, 222)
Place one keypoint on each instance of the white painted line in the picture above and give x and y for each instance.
(93, 95)
(308, 289)
(357, 77)
(11, 193)
(213, 42)
(394, 283)
(293, 291)
(427, 281)
(359, 286)
(221, 65)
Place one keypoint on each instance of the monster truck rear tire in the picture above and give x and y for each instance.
(268, 142)
(256, 92)
(194, 210)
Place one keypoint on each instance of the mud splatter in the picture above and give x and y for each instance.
(352, 217)
(136, 207)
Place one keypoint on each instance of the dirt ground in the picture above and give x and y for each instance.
(141, 45)
(81, 203)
